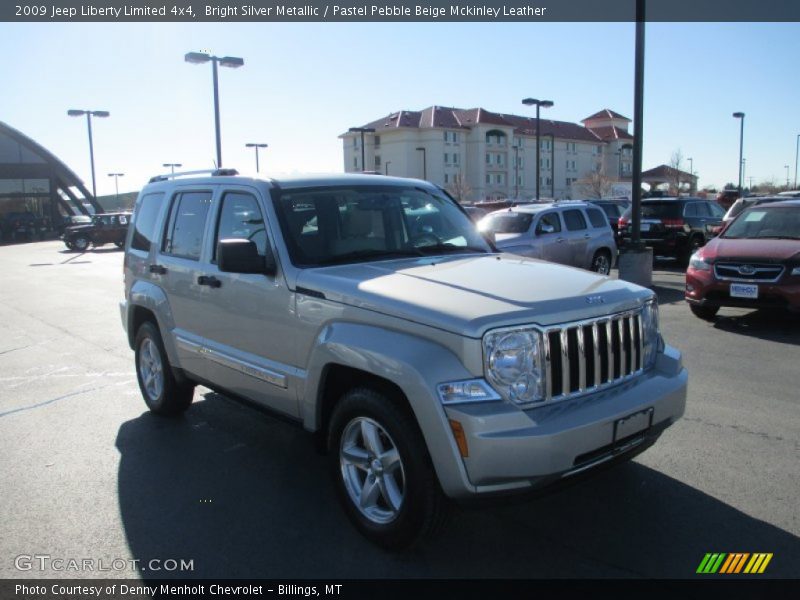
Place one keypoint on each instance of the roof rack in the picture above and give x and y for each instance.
(212, 172)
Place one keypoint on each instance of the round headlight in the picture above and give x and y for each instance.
(513, 365)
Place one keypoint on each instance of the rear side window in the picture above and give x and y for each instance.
(144, 221)
(240, 218)
(187, 222)
(574, 220)
(596, 217)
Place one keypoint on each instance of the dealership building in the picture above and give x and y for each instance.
(35, 186)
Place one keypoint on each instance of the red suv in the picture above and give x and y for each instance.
(754, 263)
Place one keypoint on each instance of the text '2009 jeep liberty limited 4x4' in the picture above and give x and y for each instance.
(370, 310)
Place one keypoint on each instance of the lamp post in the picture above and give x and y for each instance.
(116, 177)
(386, 167)
(538, 104)
(256, 147)
(226, 61)
(744, 170)
(362, 131)
(424, 163)
(516, 172)
(740, 116)
(172, 166)
(89, 114)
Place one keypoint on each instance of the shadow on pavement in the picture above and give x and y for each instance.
(774, 325)
(246, 496)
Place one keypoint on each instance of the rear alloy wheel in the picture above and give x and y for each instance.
(382, 471)
(81, 243)
(601, 263)
(707, 313)
(162, 392)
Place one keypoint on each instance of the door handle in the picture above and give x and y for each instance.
(209, 280)
(158, 269)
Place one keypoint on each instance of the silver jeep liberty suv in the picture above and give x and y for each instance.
(371, 311)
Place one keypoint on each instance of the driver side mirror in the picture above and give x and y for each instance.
(241, 256)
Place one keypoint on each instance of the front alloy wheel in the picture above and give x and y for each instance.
(601, 263)
(81, 243)
(372, 470)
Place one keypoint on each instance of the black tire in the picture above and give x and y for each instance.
(601, 262)
(81, 243)
(69, 245)
(692, 245)
(707, 313)
(170, 397)
(422, 508)
(120, 245)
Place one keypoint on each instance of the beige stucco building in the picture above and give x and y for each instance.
(494, 154)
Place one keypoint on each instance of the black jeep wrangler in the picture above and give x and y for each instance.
(105, 228)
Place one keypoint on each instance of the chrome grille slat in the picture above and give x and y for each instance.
(565, 361)
(596, 350)
(578, 360)
(581, 360)
(760, 272)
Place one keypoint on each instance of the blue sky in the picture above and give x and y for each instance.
(304, 84)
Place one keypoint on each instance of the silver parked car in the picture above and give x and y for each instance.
(570, 233)
(371, 312)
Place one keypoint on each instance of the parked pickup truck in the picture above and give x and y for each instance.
(369, 310)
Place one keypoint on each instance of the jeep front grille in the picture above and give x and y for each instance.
(587, 355)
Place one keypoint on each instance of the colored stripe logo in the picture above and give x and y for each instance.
(734, 563)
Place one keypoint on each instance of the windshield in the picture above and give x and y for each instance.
(766, 223)
(337, 225)
(506, 222)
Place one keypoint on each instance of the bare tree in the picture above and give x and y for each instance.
(459, 188)
(676, 173)
(594, 184)
(768, 186)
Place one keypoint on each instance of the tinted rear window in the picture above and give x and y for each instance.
(145, 221)
(574, 220)
(661, 210)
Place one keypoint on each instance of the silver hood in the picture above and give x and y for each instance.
(467, 295)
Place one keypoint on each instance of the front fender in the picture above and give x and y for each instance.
(414, 365)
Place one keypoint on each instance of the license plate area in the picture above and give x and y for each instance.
(744, 290)
(636, 423)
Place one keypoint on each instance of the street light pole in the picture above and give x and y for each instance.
(539, 104)
(424, 163)
(89, 114)
(172, 166)
(226, 61)
(740, 116)
(116, 177)
(744, 170)
(362, 131)
(256, 147)
(796, 151)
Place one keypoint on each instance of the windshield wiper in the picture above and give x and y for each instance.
(447, 248)
(358, 255)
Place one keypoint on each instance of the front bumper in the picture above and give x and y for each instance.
(704, 289)
(512, 449)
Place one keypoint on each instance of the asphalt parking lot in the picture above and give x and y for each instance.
(87, 473)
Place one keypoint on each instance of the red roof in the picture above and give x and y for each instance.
(611, 133)
(606, 113)
(458, 118)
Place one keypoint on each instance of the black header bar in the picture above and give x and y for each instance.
(395, 10)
